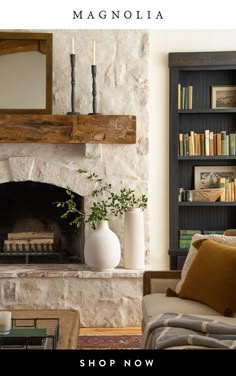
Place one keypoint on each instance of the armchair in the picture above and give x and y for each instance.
(209, 279)
(155, 301)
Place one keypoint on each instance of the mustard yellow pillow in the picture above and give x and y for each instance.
(211, 278)
(222, 239)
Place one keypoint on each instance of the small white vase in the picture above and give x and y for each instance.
(134, 239)
(102, 248)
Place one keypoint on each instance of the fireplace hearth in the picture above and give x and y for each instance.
(31, 227)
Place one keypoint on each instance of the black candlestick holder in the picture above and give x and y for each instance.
(94, 90)
(72, 63)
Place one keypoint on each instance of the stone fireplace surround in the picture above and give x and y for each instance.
(103, 299)
(32, 169)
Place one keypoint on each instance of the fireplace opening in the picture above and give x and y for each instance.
(31, 227)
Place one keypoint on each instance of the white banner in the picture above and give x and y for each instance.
(125, 14)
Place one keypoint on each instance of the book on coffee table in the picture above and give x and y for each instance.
(24, 337)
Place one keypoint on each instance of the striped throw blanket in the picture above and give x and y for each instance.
(169, 330)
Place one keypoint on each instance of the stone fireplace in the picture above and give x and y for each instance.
(29, 190)
(30, 207)
(103, 299)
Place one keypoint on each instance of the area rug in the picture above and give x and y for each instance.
(118, 342)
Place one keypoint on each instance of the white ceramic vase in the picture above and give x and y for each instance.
(134, 239)
(102, 248)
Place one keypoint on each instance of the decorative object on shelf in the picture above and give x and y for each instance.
(207, 195)
(206, 176)
(106, 204)
(188, 196)
(94, 86)
(223, 97)
(181, 195)
(102, 248)
(185, 195)
(33, 64)
(134, 239)
(72, 63)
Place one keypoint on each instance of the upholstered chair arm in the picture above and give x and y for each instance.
(159, 281)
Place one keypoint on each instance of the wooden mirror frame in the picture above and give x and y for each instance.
(12, 42)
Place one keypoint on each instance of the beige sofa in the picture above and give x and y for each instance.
(155, 301)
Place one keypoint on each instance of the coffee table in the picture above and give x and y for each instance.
(68, 327)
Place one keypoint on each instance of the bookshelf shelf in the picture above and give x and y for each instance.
(178, 252)
(197, 72)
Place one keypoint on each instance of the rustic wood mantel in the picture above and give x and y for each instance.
(68, 129)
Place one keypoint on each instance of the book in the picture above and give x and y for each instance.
(202, 141)
(181, 144)
(223, 143)
(189, 232)
(232, 149)
(185, 237)
(185, 244)
(234, 189)
(207, 140)
(26, 332)
(227, 192)
(207, 232)
(198, 144)
(211, 144)
(218, 143)
(186, 144)
(24, 337)
(192, 140)
(221, 184)
(179, 97)
(190, 97)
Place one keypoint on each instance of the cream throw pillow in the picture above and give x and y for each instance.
(192, 253)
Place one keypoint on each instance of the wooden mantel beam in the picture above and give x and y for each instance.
(68, 129)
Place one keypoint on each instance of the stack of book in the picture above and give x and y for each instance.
(207, 143)
(185, 236)
(185, 97)
(229, 189)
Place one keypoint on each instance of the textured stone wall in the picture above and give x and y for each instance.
(103, 299)
(122, 88)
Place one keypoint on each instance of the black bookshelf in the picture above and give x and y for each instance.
(201, 70)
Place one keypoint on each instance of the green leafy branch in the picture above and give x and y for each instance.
(115, 203)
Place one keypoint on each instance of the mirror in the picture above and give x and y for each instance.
(25, 73)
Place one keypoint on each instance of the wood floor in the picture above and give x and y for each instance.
(97, 331)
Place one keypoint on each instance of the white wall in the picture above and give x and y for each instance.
(161, 43)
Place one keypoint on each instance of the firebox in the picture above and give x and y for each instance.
(31, 227)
